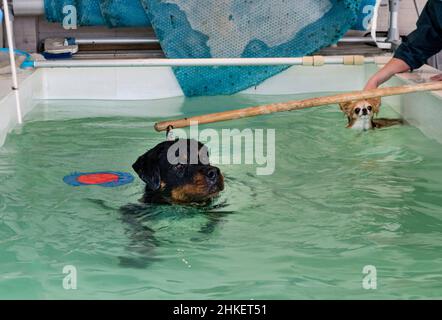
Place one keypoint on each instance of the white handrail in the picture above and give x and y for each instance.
(150, 40)
(315, 60)
(12, 60)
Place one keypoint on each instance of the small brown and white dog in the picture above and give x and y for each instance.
(360, 115)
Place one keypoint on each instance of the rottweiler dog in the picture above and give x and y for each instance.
(175, 172)
(179, 172)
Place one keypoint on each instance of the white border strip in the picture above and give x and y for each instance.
(193, 62)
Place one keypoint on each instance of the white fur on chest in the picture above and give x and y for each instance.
(362, 124)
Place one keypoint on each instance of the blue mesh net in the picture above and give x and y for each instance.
(227, 28)
(123, 13)
(89, 13)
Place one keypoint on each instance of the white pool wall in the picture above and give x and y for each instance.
(118, 83)
(159, 82)
(423, 109)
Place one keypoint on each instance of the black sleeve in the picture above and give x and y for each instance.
(426, 40)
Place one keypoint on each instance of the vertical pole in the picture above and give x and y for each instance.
(393, 31)
(374, 23)
(12, 60)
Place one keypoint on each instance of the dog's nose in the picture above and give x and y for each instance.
(212, 173)
(364, 111)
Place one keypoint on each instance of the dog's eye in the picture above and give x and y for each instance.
(357, 110)
(369, 108)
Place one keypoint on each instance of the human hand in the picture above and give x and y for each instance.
(371, 84)
(393, 67)
(437, 77)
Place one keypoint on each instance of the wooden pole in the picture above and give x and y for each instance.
(298, 105)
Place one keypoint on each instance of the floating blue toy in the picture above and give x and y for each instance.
(104, 179)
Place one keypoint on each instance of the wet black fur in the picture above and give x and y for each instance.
(154, 169)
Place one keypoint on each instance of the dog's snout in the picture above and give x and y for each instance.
(364, 111)
(212, 173)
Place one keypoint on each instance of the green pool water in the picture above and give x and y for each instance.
(337, 201)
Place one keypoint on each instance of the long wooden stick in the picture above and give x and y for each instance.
(297, 105)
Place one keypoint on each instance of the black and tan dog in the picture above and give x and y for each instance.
(179, 172)
(175, 172)
(361, 115)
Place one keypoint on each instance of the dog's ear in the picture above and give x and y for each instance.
(375, 103)
(148, 169)
(346, 106)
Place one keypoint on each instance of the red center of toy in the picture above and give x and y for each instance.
(97, 178)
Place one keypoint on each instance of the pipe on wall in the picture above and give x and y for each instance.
(393, 31)
(129, 41)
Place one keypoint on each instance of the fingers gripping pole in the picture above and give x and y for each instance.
(298, 105)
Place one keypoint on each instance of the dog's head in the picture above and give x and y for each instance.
(179, 172)
(360, 110)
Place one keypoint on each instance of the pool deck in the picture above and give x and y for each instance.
(421, 75)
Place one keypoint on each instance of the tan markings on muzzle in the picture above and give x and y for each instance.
(197, 190)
